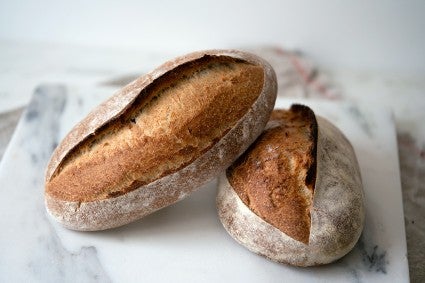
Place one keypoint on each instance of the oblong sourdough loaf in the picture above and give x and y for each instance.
(159, 138)
(295, 196)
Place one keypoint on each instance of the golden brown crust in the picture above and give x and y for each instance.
(275, 177)
(172, 122)
(226, 145)
(337, 209)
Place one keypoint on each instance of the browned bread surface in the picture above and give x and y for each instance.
(159, 138)
(275, 178)
(173, 121)
(295, 196)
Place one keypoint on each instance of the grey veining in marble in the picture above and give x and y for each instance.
(8, 122)
(25, 65)
(184, 242)
(30, 247)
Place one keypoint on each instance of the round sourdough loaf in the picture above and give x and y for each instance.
(295, 196)
(159, 138)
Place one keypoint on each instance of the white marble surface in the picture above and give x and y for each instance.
(184, 242)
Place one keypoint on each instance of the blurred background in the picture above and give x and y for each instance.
(380, 35)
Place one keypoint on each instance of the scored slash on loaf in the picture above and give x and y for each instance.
(295, 196)
(159, 138)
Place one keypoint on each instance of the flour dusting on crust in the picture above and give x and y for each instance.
(337, 216)
(123, 209)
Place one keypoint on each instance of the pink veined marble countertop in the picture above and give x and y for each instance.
(25, 66)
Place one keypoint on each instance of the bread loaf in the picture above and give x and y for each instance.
(159, 138)
(295, 196)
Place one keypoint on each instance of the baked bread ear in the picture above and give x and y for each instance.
(159, 138)
(295, 196)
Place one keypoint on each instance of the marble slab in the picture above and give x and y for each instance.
(184, 242)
